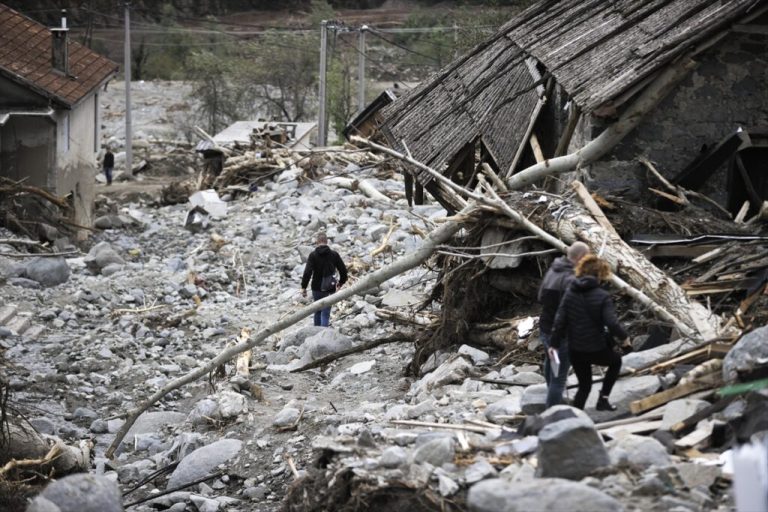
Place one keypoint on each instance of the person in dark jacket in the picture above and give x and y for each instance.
(108, 165)
(321, 268)
(584, 312)
(553, 287)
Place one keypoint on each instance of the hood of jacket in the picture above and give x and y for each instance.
(562, 264)
(585, 283)
(322, 250)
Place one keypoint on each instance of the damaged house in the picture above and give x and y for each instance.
(666, 80)
(49, 110)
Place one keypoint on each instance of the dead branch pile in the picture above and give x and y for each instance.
(34, 212)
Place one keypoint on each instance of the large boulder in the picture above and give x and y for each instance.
(501, 495)
(328, 341)
(638, 451)
(749, 353)
(102, 255)
(570, 448)
(203, 461)
(534, 399)
(47, 271)
(678, 410)
(455, 369)
(82, 492)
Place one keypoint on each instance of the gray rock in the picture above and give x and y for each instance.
(393, 457)
(504, 407)
(286, 417)
(455, 369)
(570, 448)
(99, 426)
(446, 485)
(150, 422)
(534, 399)
(47, 271)
(500, 495)
(328, 341)
(678, 410)
(749, 353)
(111, 269)
(107, 222)
(100, 256)
(202, 461)
(43, 425)
(479, 470)
(643, 358)
(41, 504)
(436, 452)
(84, 412)
(698, 475)
(82, 492)
(231, 404)
(298, 338)
(638, 451)
(478, 356)
(527, 378)
(204, 411)
(23, 282)
(204, 504)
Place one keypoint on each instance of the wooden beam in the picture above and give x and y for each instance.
(536, 147)
(680, 391)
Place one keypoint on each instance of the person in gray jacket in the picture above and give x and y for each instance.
(556, 281)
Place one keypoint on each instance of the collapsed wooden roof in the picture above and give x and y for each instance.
(600, 52)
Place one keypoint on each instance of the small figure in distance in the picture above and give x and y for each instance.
(107, 165)
(320, 269)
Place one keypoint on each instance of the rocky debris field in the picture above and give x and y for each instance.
(157, 292)
(86, 338)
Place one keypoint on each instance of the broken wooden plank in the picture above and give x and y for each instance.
(696, 438)
(638, 427)
(680, 391)
(693, 420)
(677, 251)
(713, 287)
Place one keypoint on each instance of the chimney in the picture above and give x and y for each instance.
(59, 45)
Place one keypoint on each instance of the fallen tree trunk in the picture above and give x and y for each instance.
(365, 186)
(573, 224)
(501, 207)
(611, 136)
(439, 236)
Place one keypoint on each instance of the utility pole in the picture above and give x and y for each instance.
(127, 75)
(361, 68)
(321, 135)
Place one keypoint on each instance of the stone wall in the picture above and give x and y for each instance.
(728, 90)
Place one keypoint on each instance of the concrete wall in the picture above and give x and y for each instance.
(76, 148)
(728, 90)
(27, 149)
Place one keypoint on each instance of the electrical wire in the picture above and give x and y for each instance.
(402, 47)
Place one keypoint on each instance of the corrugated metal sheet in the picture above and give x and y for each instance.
(25, 57)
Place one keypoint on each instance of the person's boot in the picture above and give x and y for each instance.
(604, 405)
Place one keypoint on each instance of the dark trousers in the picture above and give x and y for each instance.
(108, 174)
(582, 362)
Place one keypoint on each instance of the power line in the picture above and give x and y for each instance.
(375, 32)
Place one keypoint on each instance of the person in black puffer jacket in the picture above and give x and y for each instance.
(585, 311)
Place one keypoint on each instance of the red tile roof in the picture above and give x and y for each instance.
(25, 57)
